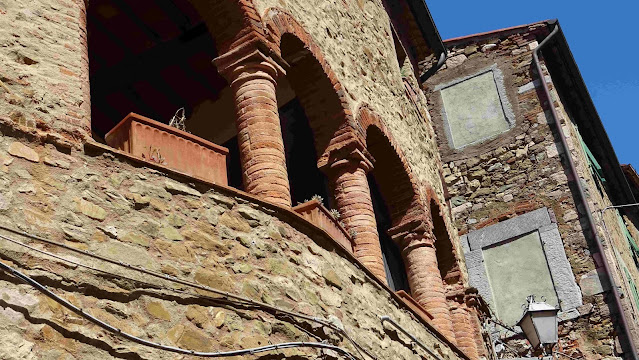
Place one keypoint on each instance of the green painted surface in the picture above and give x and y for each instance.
(516, 269)
(473, 110)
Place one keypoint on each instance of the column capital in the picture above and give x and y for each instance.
(355, 158)
(253, 56)
(472, 298)
(457, 296)
(412, 233)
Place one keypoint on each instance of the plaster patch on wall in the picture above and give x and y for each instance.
(469, 118)
(543, 230)
(517, 268)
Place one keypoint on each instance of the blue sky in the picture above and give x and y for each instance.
(601, 35)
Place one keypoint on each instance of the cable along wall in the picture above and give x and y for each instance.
(204, 236)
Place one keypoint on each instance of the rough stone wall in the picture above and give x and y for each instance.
(521, 170)
(217, 237)
(355, 39)
(626, 259)
(44, 66)
(618, 253)
(45, 69)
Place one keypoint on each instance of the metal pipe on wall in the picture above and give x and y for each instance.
(582, 193)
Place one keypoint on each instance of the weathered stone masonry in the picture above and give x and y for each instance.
(216, 236)
(521, 169)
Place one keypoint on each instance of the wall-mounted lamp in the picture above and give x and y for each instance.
(539, 324)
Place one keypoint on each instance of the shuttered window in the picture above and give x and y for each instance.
(631, 242)
(593, 164)
(633, 287)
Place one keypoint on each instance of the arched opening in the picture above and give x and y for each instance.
(391, 254)
(155, 57)
(392, 196)
(446, 261)
(310, 112)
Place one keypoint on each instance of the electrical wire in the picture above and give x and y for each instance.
(174, 349)
(143, 270)
(387, 319)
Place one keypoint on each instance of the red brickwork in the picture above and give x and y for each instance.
(463, 327)
(85, 107)
(260, 142)
(474, 311)
(412, 224)
(353, 199)
(233, 23)
(315, 84)
(391, 169)
(418, 250)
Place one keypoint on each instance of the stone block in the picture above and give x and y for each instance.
(594, 282)
(470, 118)
(20, 150)
(508, 229)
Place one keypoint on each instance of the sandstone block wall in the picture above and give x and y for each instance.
(44, 66)
(213, 236)
(522, 169)
(113, 208)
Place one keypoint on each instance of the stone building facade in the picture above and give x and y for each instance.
(188, 264)
(518, 206)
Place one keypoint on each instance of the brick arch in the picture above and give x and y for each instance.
(321, 94)
(391, 170)
(233, 23)
(401, 192)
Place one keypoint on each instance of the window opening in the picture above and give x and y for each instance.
(233, 164)
(305, 179)
(446, 261)
(150, 59)
(393, 262)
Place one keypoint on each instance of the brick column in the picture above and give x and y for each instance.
(347, 177)
(417, 243)
(253, 81)
(463, 328)
(472, 303)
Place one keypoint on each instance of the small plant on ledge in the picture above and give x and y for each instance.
(319, 198)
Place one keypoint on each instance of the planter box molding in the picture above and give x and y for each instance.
(317, 214)
(168, 146)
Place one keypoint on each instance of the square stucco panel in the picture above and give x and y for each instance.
(475, 108)
(518, 257)
(518, 268)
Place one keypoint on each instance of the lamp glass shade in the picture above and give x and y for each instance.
(539, 324)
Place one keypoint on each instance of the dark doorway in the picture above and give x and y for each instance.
(305, 179)
(393, 263)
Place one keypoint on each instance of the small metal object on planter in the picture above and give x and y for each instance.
(177, 121)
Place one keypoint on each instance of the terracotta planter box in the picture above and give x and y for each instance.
(316, 213)
(168, 146)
